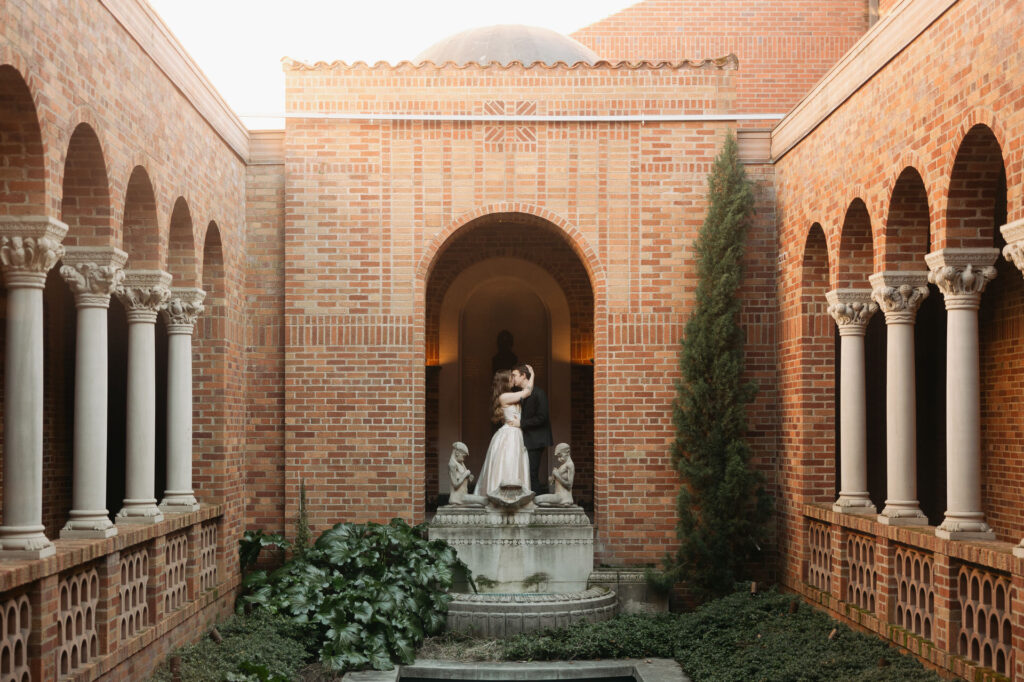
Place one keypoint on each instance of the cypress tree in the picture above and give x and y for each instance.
(722, 504)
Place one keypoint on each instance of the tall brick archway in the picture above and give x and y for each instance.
(538, 243)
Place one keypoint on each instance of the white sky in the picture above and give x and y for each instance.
(239, 43)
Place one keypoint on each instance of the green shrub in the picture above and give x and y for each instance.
(371, 592)
(739, 637)
(264, 640)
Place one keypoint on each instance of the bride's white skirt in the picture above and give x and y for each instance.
(506, 462)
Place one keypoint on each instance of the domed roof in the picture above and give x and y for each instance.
(507, 43)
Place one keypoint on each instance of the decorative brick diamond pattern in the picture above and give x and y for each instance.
(819, 568)
(15, 624)
(176, 561)
(77, 640)
(207, 556)
(134, 585)
(986, 633)
(915, 602)
(860, 557)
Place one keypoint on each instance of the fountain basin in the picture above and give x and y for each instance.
(505, 615)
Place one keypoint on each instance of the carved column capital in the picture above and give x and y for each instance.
(182, 309)
(1013, 233)
(143, 293)
(961, 275)
(899, 294)
(29, 248)
(851, 309)
(93, 273)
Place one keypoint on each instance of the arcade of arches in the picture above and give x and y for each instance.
(199, 319)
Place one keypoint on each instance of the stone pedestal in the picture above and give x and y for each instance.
(529, 551)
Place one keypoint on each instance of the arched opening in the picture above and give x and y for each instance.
(140, 231)
(853, 267)
(22, 159)
(977, 208)
(514, 273)
(182, 262)
(209, 374)
(817, 371)
(907, 234)
(85, 207)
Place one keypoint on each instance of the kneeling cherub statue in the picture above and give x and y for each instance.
(460, 477)
(560, 480)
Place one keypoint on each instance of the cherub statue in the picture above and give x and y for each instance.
(461, 477)
(560, 480)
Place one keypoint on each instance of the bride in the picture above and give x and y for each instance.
(507, 461)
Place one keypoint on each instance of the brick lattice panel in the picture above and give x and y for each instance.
(15, 624)
(134, 587)
(208, 556)
(176, 562)
(77, 640)
(819, 568)
(860, 557)
(986, 623)
(915, 602)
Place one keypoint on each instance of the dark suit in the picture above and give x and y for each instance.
(536, 427)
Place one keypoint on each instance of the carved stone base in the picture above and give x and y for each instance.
(140, 512)
(88, 525)
(854, 503)
(179, 503)
(21, 543)
(965, 527)
(902, 514)
(505, 615)
(1019, 550)
(528, 551)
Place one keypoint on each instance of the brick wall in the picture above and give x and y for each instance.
(783, 47)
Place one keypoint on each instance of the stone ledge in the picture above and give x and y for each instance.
(72, 553)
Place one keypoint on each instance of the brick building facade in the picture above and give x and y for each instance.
(350, 262)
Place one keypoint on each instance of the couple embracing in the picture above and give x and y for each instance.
(513, 457)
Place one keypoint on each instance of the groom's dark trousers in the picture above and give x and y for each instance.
(536, 427)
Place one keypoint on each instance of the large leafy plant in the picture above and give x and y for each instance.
(371, 591)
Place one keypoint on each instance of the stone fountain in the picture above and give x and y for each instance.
(530, 556)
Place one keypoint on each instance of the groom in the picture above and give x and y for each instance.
(535, 424)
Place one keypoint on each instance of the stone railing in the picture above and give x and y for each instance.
(951, 603)
(99, 602)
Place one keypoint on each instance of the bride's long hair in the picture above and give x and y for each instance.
(502, 384)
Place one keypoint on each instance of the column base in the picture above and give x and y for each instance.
(179, 503)
(902, 514)
(88, 525)
(970, 526)
(24, 543)
(1019, 549)
(139, 512)
(854, 503)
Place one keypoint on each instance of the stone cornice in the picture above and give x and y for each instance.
(851, 309)
(182, 309)
(899, 294)
(728, 62)
(146, 27)
(29, 248)
(961, 274)
(869, 55)
(93, 273)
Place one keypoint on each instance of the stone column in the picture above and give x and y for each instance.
(961, 275)
(899, 295)
(180, 313)
(852, 309)
(29, 247)
(93, 274)
(143, 293)
(1013, 233)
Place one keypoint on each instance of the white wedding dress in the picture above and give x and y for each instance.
(506, 461)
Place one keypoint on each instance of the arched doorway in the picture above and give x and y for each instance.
(507, 288)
